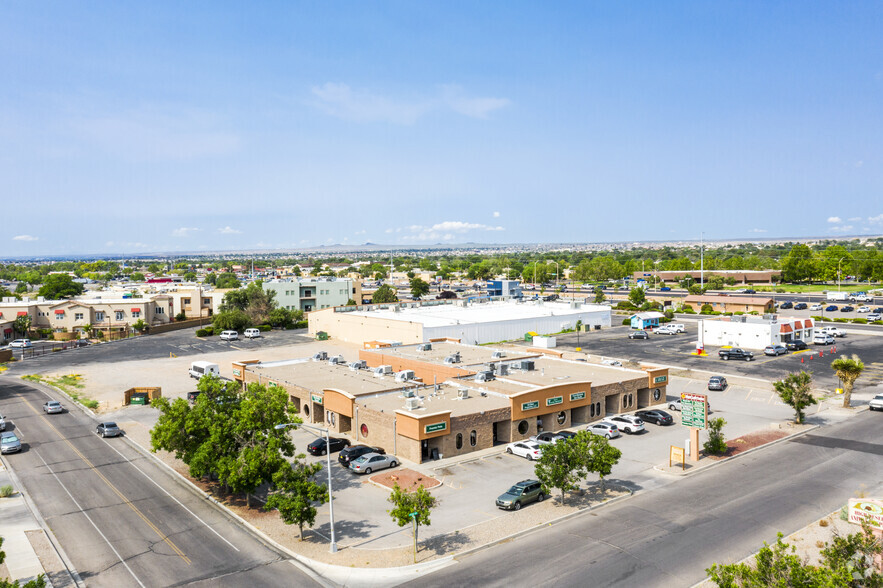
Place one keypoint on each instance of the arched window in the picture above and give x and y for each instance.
(562, 417)
(473, 438)
(459, 440)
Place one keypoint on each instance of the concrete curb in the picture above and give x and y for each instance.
(738, 455)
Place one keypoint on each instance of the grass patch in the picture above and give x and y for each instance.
(71, 384)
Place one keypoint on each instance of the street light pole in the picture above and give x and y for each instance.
(328, 468)
(838, 272)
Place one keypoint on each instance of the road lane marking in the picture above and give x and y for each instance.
(113, 488)
(210, 528)
(88, 518)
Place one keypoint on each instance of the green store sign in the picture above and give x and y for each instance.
(271, 384)
(530, 405)
(316, 398)
(554, 400)
(435, 427)
(660, 379)
(236, 372)
(577, 396)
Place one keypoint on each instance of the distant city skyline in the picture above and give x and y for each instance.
(130, 129)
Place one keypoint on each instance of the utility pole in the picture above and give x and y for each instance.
(702, 260)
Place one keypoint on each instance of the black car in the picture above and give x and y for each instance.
(800, 306)
(749, 291)
(657, 417)
(846, 309)
(786, 304)
(317, 447)
(348, 454)
(191, 396)
(795, 345)
(566, 434)
(717, 383)
(639, 335)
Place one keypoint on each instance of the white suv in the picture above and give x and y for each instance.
(229, 336)
(252, 333)
(876, 402)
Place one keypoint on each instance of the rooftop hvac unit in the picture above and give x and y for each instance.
(527, 365)
(336, 360)
(504, 369)
(321, 356)
(484, 376)
(424, 347)
(463, 393)
(382, 370)
(409, 393)
(359, 365)
(412, 403)
(498, 354)
(405, 376)
(453, 358)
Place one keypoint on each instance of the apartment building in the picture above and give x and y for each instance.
(308, 294)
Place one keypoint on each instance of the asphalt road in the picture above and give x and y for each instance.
(123, 519)
(669, 536)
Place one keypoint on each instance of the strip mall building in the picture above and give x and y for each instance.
(444, 398)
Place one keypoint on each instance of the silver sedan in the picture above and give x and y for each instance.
(371, 462)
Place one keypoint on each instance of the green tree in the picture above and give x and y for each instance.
(281, 317)
(799, 265)
(137, 277)
(563, 464)
(795, 390)
(39, 582)
(296, 494)
(602, 456)
(419, 288)
(231, 320)
(139, 325)
(58, 286)
(22, 288)
(226, 280)
(637, 296)
(717, 443)
(411, 507)
(599, 295)
(22, 324)
(384, 294)
(848, 369)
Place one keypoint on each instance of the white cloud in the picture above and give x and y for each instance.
(184, 231)
(496, 214)
(445, 231)
(876, 219)
(842, 228)
(228, 230)
(342, 101)
(757, 231)
(834, 219)
(25, 238)
(362, 232)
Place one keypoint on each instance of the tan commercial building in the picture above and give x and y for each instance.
(724, 303)
(440, 399)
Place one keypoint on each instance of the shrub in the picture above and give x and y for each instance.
(181, 316)
(687, 310)
(860, 321)
(264, 328)
(841, 320)
(876, 322)
(202, 332)
(6, 491)
(669, 314)
(301, 324)
(780, 290)
(706, 309)
(738, 313)
(716, 444)
(627, 321)
(817, 318)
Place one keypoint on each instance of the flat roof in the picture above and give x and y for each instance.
(443, 315)
(430, 402)
(316, 376)
(469, 354)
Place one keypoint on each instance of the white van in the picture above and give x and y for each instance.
(200, 368)
(229, 336)
(252, 333)
(677, 327)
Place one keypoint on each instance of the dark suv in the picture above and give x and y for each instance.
(348, 454)
(317, 447)
(522, 493)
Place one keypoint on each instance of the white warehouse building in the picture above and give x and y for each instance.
(474, 322)
(753, 332)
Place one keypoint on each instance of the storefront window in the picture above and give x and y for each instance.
(459, 440)
(562, 417)
(523, 427)
(473, 438)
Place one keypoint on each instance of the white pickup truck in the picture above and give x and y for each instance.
(860, 297)
(833, 331)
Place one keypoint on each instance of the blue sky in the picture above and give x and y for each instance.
(137, 127)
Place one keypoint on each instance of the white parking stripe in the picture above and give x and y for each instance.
(169, 495)
(83, 512)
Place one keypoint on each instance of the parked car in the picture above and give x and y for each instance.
(822, 339)
(547, 437)
(317, 446)
(846, 308)
(800, 306)
(639, 335)
(815, 307)
(796, 345)
(878, 310)
(626, 422)
(229, 335)
(717, 383)
(371, 462)
(251, 333)
(876, 402)
(52, 407)
(353, 452)
(677, 327)
(874, 317)
(831, 308)
(775, 350)
(603, 429)
(21, 344)
(863, 309)
(528, 449)
(750, 291)
(566, 434)
(9, 443)
(2, 423)
(522, 493)
(655, 416)
(664, 331)
(611, 362)
(735, 353)
(108, 429)
(786, 304)
(665, 289)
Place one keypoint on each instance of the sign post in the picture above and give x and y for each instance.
(676, 454)
(869, 510)
(694, 414)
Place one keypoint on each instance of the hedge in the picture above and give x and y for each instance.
(264, 328)
(627, 321)
(206, 332)
(301, 325)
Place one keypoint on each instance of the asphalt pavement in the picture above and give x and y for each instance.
(669, 536)
(122, 519)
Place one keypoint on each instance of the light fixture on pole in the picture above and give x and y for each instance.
(328, 469)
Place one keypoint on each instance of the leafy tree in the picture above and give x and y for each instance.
(281, 317)
(296, 494)
(411, 507)
(351, 302)
(211, 279)
(22, 324)
(22, 288)
(717, 443)
(139, 325)
(419, 288)
(535, 273)
(848, 369)
(637, 296)
(87, 330)
(181, 316)
(226, 280)
(138, 277)
(796, 391)
(383, 294)
(799, 265)
(599, 295)
(190, 276)
(58, 286)
(563, 464)
(232, 320)
(602, 456)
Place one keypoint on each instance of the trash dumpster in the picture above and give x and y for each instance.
(139, 398)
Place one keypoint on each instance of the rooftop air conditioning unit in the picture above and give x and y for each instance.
(424, 347)
(527, 365)
(409, 393)
(321, 356)
(463, 393)
(453, 358)
(484, 376)
(498, 354)
(405, 376)
(504, 369)
(412, 403)
(358, 365)
(382, 370)
(336, 360)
